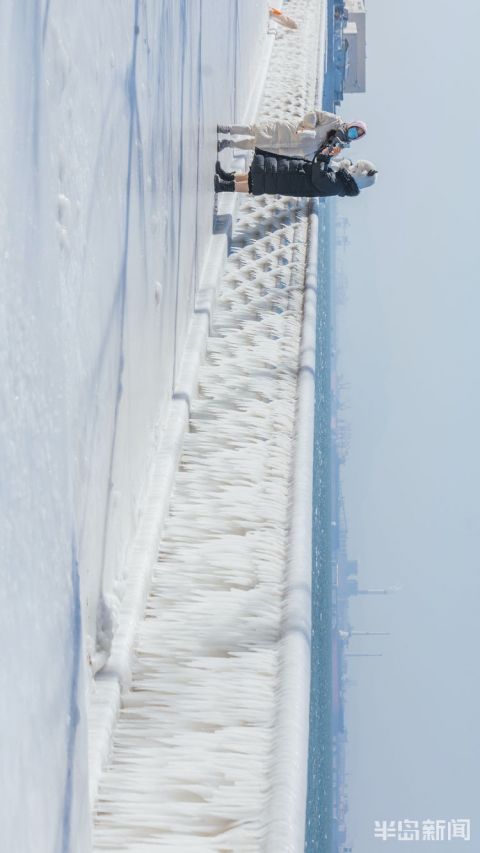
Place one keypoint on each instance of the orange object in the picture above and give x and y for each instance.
(285, 20)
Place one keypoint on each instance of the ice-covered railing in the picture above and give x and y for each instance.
(287, 806)
(210, 749)
(193, 745)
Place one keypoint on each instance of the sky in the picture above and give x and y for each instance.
(410, 351)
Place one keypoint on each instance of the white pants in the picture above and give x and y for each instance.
(248, 132)
(243, 129)
(247, 143)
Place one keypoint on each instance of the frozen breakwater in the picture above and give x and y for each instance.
(215, 724)
(108, 276)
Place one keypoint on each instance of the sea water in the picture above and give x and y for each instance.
(318, 837)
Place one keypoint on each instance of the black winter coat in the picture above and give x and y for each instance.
(296, 177)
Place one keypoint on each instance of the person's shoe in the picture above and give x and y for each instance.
(225, 176)
(223, 186)
(224, 143)
(224, 128)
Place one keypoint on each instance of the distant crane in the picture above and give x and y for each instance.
(369, 633)
(385, 591)
(364, 655)
(346, 634)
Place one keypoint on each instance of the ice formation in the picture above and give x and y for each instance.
(193, 763)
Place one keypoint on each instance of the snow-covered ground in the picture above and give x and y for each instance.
(108, 112)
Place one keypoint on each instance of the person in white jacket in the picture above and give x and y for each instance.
(294, 139)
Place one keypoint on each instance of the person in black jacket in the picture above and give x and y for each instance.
(297, 177)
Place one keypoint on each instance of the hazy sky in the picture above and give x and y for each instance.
(410, 349)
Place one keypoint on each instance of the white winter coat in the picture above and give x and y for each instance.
(296, 139)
